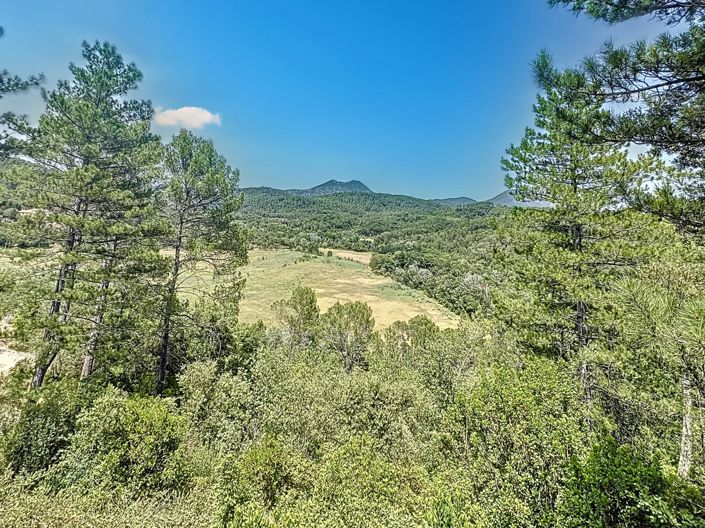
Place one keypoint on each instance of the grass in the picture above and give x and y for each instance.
(272, 275)
(343, 277)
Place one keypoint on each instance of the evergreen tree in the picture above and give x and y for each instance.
(197, 201)
(667, 78)
(562, 261)
(664, 341)
(86, 191)
(571, 248)
(10, 84)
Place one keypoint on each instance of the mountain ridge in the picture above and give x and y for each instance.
(459, 200)
(333, 186)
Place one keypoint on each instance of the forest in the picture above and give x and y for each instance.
(571, 394)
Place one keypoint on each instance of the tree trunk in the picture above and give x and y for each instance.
(41, 369)
(64, 281)
(168, 311)
(163, 351)
(100, 305)
(92, 344)
(581, 329)
(686, 452)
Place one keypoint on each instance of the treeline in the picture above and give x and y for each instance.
(355, 221)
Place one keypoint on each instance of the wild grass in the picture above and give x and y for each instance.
(271, 275)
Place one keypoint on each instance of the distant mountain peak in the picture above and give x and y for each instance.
(333, 187)
(508, 199)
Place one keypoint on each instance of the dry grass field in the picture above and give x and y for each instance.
(357, 256)
(272, 275)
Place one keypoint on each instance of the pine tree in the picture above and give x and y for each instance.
(666, 77)
(197, 201)
(664, 340)
(90, 180)
(10, 84)
(561, 262)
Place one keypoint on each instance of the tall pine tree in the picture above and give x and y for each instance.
(198, 199)
(563, 260)
(92, 153)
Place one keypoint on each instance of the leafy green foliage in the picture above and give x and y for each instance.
(617, 486)
(131, 441)
(346, 329)
(43, 428)
(217, 405)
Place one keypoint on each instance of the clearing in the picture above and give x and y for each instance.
(272, 275)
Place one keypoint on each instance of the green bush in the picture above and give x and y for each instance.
(397, 413)
(35, 441)
(136, 442)
(510, 432)
(217, 405)
(355, 485)
(261, 476)
(616, 486)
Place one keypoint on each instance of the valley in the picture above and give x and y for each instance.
(271, 275)
(178, 348)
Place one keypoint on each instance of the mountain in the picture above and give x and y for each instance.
(507, 199)
(356, 187)
(460, 200)
(332, 187)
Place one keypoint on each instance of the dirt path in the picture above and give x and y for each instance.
(9, 358)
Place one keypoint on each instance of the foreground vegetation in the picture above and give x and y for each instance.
(570, 394)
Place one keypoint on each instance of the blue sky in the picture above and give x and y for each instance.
(410, 97)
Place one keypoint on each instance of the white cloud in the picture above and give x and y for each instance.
(186, 117)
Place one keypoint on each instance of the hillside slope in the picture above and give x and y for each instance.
(332, 187)
(507, 199)
(460, 200)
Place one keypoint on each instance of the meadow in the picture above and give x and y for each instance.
(272, 274)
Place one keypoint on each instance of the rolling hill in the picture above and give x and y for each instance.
(332, 187)
(359, 189)
(460, 200)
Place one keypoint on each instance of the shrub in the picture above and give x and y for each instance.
(130, 441)
(358, 486)
(617, 486)
(46, 421)
(261, 476)
(215, 404)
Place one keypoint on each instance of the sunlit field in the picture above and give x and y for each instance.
(271, 275)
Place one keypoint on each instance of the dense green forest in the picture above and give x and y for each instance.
(571, 394)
